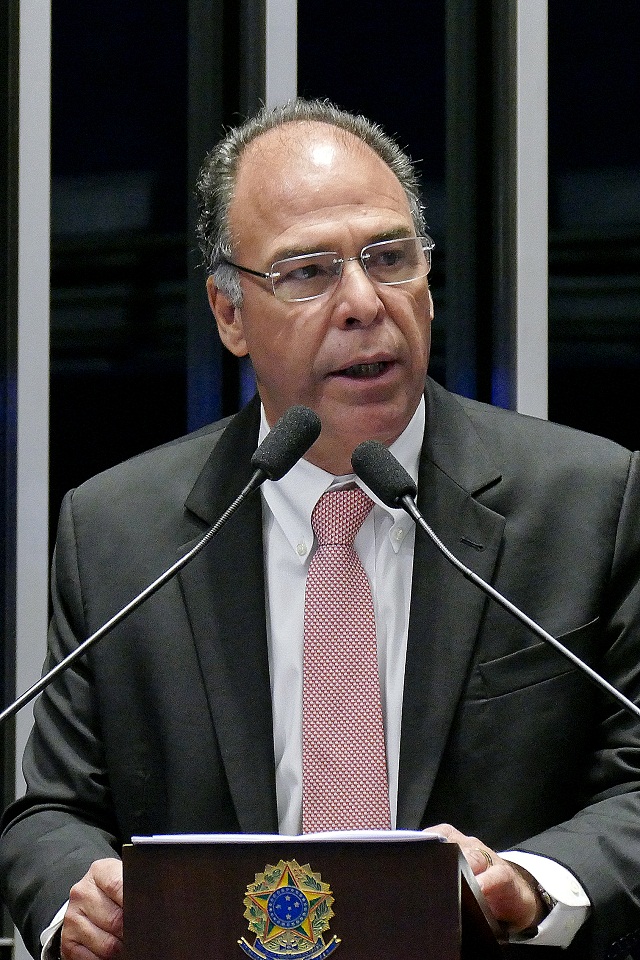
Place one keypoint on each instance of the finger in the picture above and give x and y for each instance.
(480, 858)
(511, 899)
(447, 831)
(98, 928)
(89, 933)
(82, 941)
(107, 876)
(92, 926)
(478, 855)
(98, 898)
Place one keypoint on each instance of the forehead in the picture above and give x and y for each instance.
(310, 172)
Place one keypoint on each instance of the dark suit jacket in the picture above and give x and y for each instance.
(166, 727)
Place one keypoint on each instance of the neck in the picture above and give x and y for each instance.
(334, 455)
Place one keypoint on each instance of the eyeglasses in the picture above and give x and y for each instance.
(311, 275)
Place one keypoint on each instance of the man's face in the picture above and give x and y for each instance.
(357, 355)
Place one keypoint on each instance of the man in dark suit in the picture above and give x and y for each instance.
(177, 722)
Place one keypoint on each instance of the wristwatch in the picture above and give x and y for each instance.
(548, 901)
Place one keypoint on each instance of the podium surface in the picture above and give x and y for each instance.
(401, 899)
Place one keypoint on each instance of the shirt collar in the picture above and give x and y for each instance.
(292, 498)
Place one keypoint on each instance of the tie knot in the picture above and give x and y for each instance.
(339, 514)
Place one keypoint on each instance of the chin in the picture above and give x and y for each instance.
(384, 426)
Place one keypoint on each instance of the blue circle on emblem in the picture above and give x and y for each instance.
(288, 907)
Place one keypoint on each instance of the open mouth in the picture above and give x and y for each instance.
(364, 370)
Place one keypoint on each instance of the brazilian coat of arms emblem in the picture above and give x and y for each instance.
(288, 909)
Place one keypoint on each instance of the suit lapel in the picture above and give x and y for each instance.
(223, 589)
(446, 609)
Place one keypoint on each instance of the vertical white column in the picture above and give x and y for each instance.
(281, 54)
(532, 208)
(32, 494)
(32, 398)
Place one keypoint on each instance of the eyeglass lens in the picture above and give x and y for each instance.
(390, 261)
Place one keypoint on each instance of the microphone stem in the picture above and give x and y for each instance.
(409, 505)
(256, 479)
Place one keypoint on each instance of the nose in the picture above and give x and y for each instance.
(356, 296)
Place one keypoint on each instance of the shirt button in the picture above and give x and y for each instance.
(399, 534)
(301, 549)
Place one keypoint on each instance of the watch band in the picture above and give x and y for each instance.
(548, 901)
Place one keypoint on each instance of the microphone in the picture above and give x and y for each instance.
(386, 477)
(297, 429)
(289, 439)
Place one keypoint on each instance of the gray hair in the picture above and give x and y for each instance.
(216, 182)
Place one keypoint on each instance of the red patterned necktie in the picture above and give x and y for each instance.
(344, 761)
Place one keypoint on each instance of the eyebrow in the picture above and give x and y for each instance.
(396, 233)
(300, 252)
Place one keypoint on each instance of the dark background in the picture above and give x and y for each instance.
(120, 239)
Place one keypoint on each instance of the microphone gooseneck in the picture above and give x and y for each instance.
(289, 439)
(377, 467)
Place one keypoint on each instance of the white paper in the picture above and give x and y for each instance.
(350, 836)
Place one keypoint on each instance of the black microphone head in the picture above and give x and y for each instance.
(288, 440)
(383, 474)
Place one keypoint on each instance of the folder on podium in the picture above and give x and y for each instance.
(360, 896)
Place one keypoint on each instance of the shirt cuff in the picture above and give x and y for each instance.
(562, 923)
(47, 936)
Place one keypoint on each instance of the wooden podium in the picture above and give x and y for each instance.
(397, 900)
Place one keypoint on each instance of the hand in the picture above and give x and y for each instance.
(92, 928)
(510, 890)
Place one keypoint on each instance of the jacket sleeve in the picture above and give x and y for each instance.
(601, 843)
(51, 836)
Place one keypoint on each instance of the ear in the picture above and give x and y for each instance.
(228, 319)
(430, 305)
